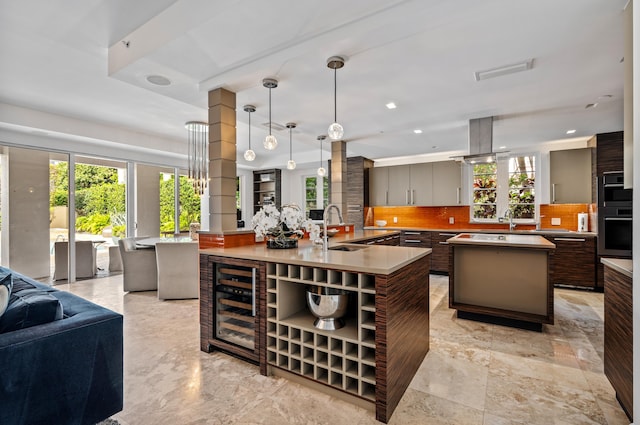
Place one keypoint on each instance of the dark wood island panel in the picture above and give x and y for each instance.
(618, 336)
(402, 332)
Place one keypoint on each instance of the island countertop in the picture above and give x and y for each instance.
(505, 240)
(377, 259)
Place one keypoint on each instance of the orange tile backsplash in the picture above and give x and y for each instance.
(438, 217)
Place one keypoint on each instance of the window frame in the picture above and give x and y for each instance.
(502, 189)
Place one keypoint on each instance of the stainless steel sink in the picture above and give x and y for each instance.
(347, 248)
(489, 237)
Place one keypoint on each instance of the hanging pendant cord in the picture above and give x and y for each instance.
(290, 144)
(269, 111)
(249, 130)
(335, 95)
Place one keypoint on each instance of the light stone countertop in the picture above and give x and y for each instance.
(547, 231)
(376, 259)
(619, 264)
(507, 240)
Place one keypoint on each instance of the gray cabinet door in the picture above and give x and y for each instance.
(570, 176)
(378, 186)
(420, 190)
(446, 183)
(399, 184)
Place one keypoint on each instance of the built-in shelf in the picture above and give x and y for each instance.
(266, 188)
(343, 358)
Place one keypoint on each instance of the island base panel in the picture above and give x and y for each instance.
(508, 279)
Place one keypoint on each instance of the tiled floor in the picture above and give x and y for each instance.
(474, 374)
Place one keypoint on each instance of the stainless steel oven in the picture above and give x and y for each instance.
(614, 231)
(611, 191)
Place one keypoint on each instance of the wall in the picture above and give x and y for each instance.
(25, 212)
(147, 201)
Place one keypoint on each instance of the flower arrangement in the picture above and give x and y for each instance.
(282, 229)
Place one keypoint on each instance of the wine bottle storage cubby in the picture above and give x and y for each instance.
(343, 358)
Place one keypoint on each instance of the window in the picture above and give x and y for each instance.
(508, 183)
(313, 198)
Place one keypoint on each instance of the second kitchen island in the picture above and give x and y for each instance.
(501, 276)
(373, 358)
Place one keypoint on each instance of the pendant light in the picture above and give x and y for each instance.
(249, 154)
(291, 164)
(336, 132)
(270, 142)
(198, 135)
(321, 170)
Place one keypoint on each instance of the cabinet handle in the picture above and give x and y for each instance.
(447, 234)
(412, 241)
(413, 196)
(412, 233)
(371, 242)
(570, 239)
(458, 195)
(553, 193)
(406, 198)
(253, 291)
(386, 197)
(443, 243)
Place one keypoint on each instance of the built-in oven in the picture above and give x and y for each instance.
(611, 191)
(614, 231)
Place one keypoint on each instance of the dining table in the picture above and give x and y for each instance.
(151, 242)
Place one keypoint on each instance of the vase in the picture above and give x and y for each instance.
(282, 243)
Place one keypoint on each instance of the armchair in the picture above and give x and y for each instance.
(139, 266)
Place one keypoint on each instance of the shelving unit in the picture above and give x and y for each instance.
(344, 358)
(266, 188)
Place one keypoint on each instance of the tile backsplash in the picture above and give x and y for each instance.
(441, 217)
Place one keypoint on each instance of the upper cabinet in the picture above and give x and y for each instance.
(570, 176)
(422, 184)
(447, 183)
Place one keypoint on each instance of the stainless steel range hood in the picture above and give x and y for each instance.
(480, 142)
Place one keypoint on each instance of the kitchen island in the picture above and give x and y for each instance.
(372, 359)
(501, 276)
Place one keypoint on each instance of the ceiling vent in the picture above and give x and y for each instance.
(503, 70)
(275, 126)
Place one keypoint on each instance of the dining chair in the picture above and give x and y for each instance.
(178, 270)
(86, 266)
(139, 272)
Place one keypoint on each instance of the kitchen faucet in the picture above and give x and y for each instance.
(325, 219)
(509, 214)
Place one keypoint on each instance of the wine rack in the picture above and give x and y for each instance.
(343, 358)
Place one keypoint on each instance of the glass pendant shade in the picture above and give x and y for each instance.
(270, 142)
(249, 155)
(291, 165)
(322, 172)
(335, 131)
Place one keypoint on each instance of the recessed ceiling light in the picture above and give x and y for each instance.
(417, 131)
(502, 147)
(158, 80)
(503, 70)
(605, 97)
(391, 105)
(434, 147)
(570, 131)
(590, 105)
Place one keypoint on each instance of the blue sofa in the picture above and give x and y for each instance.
(67, 371)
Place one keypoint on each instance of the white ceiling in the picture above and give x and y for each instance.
(67, 58)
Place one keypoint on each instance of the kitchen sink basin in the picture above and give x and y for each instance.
(347, 248)
(489, 237)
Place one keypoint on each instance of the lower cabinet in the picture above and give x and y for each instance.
(574, 261)
(416, 239)
(440, 252)
(391, 240)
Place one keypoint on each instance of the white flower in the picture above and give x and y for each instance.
(291, 220)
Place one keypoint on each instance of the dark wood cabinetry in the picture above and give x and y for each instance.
(416, 239)
(440, 252)
(618, 336)
(610, 152)
(267, 188)
(574, 261)
(392, 240)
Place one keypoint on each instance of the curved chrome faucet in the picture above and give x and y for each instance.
(325, 219)
(509, 214)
